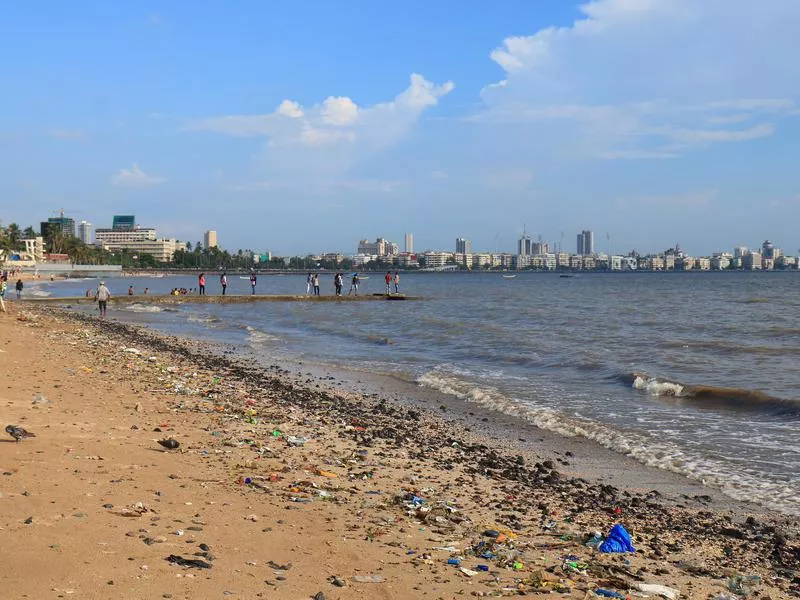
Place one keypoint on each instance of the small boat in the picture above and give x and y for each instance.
(566, 275)
(509, 276)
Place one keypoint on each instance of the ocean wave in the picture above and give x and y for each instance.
(40, 293)
(257, 336)
(711, 396)
(725, 347)
(202, 319)
(143, 308)
(651, 451)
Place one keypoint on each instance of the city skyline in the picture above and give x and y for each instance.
(564, 115)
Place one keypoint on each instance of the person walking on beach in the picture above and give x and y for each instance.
(253, 283)
(3, 288)
(102, 295)
(388, 280)
(201, 281)
(309, 283)
(223, 281)
(20, 285)
(354, 285)
(316, 284)
(396, 282)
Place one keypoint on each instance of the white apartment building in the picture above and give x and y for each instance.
(437, 259)
(143, 241)
(210, 239)
(85, 232)
(703, 263)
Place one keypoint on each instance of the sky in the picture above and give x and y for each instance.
(303, 127)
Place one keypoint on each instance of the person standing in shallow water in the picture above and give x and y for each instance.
(102, 296)
(19, 288)
(201, 281)
(309, 283)
(223, 281)
(253, 284)
(396, 282)
(388, 280)
(316, 284)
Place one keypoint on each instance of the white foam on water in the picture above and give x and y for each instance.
(655, 451)
(657, 387)
(40, 293)
(257, 337)
(203, 319)
(143, 308)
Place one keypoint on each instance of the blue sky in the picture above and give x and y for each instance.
(305, 127)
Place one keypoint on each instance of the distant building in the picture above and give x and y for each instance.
(64, 225)
(85, 232)
(210, 239)
(538, 248)
(380, 247)
(768, 249)
(123, 223)
(524, 245)
(463, 246)
(141, 240)
(740, 251)
(409, 243)
(585, 242)
(752, 261)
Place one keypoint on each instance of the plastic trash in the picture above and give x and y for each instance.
(297, 441)
(483, 568)
(595, 541)
(368, 578)
(658, 589)
(608, 593)
(618, 540)
(454, 561)
(468, 572)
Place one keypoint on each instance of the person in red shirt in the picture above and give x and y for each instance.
(201, 281)
(388, 279)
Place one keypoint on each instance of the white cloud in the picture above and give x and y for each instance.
(135, 177)
(652, 78)
(339, 111)
(336, 120)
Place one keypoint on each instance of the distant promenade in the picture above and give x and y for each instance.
(228, 299)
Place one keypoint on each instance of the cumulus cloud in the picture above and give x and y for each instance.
(135, 177)
(332, 136)
(653, 78)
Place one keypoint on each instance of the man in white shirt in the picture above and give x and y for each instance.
(102, 295)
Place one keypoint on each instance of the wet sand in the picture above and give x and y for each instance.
(381, 491)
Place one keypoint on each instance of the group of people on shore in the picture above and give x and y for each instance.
(223, 283)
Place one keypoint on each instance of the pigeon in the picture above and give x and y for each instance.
(169, 444)
(18, 433)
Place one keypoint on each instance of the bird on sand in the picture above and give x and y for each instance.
(169, 444)
(18, 433)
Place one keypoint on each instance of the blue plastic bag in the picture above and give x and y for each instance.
(618, 540)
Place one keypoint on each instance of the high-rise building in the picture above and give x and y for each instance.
(409, 243)
(768, 249)
(123, 223)
(380, 247)
(463, 246)
(524, 246)
(540, 248)
(85, 232)
(586, 243)
(139, 240)
(63, 224)
(210, 239)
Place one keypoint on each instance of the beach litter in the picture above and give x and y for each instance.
(618, 540)
(659, 590)
(368, 578)
(195, 563)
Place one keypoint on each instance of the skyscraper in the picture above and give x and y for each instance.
(210, 239)
(62, 224)
(463, 246)
(409, 245)
(524, 245)
(586, 242)
(85, 232)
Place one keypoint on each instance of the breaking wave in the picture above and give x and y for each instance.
(656, 452)
(710, 396)
(143, 308)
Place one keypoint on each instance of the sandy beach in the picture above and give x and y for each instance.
(290, 487)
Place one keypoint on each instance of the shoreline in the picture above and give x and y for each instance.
(694, 547)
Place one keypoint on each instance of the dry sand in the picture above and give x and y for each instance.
(92, 507)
